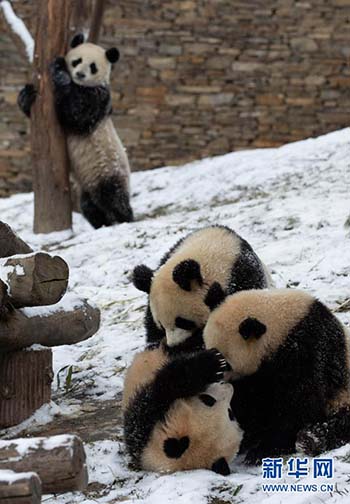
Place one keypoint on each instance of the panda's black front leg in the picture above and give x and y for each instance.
(187, 376)
(26, 98)
(60, 76)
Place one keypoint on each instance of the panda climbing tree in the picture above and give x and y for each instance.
(50, 156)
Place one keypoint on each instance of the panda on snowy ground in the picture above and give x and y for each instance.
(290, 369)
(83, 105)
(177, 289)
(176, 415)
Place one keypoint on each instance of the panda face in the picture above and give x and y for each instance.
(88, 65)
(249, 327)
(181, 314)
(198, 433)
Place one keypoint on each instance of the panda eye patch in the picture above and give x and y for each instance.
(207, 399)
(185, 324)
(76, 62)
(93, 68)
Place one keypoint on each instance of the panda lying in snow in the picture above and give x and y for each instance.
(176, 416)
(290, 360)
(176, 308)
(83, 105)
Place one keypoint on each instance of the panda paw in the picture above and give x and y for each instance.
(59, 73)
(211, 366)
(26, 98)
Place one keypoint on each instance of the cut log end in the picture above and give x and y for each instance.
(37, 279)
(59, 461)
(19, 488)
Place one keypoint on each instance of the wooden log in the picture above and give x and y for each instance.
(52, 203)
(59, 461)
(36, 280)
(19, 488)
(10, 243)
(68, 322)
(25, 384)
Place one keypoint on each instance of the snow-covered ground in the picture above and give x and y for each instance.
(290, 203)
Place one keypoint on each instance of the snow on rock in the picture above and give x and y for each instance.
(290, 203)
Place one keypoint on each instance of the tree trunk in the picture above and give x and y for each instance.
(10, 243)
(59, 461)
(25, 384)
(81, 17)
(36, 280)
(96, 21)
(52, 326)
(19, 488)
(52, 206)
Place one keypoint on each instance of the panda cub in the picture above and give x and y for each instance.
(177, 289)
(83, 105)
(176, 415)
(290, 368)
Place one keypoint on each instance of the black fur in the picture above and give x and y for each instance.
(107, 204)
(215, 296)
(332, 433)
(247, 272)
(185, 272)
(77, 40)
(79, 108)
(221, 467)
(26, 98)
(175, 448)
(112, 55)
(183, 377)
(293, 387)
(142, 278)
(247, 264)
(251, 328)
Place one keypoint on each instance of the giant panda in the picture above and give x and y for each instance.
(177, 415)
(176, 307)
(290, 368)
(83, 105)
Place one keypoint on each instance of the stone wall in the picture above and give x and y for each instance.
(204, 77)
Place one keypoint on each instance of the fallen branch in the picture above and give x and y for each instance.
(59, 461)
(35, 280)
(18, 31)
(19, 488)
(65, 323)
(10, 243)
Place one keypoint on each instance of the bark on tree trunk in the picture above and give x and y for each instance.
(59, 461)
(25, 384)
(19, 488)
(36, 280)
(96, 21)
(52, 207)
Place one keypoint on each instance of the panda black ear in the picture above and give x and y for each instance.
(77, 40)
(112, 54)
(185, 272)
(176, 447)
(251, 328)
(142, 278)
(221, 467)
(215, 296)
